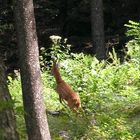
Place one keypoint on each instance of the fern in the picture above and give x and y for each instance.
(133, 30)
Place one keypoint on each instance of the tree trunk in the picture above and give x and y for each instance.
(7, 118)
(97, 23)
(35, 115)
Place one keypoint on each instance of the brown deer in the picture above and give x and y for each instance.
(65, 91)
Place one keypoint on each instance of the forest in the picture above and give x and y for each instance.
(69, 70)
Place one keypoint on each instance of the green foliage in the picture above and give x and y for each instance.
(134, 44)
(133, 30)
(15, 90)
(109, 95)
(58, 50)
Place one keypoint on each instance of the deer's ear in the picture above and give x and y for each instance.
(55, 63)
(52, 70)
(54, 67)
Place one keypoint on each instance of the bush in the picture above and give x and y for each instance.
(134, 33)
(109, 94)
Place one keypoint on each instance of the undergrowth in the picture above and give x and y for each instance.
(109, 94)
(110, 97)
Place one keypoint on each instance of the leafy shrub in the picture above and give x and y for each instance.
(109, 94)
(57, 51)
(133, 30)
(15, 90)
(134, 44)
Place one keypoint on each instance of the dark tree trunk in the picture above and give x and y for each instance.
(7, 118)
(97, 23)
(35, 115)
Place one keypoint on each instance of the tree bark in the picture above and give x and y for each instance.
(35, 115)
(97, 23)
(7, 117)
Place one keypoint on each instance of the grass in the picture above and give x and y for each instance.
(110, 96)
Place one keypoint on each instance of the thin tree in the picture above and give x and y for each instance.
(35, 115)
(97, 24)
(7, 116)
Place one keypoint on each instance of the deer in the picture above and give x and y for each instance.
(64, 90)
